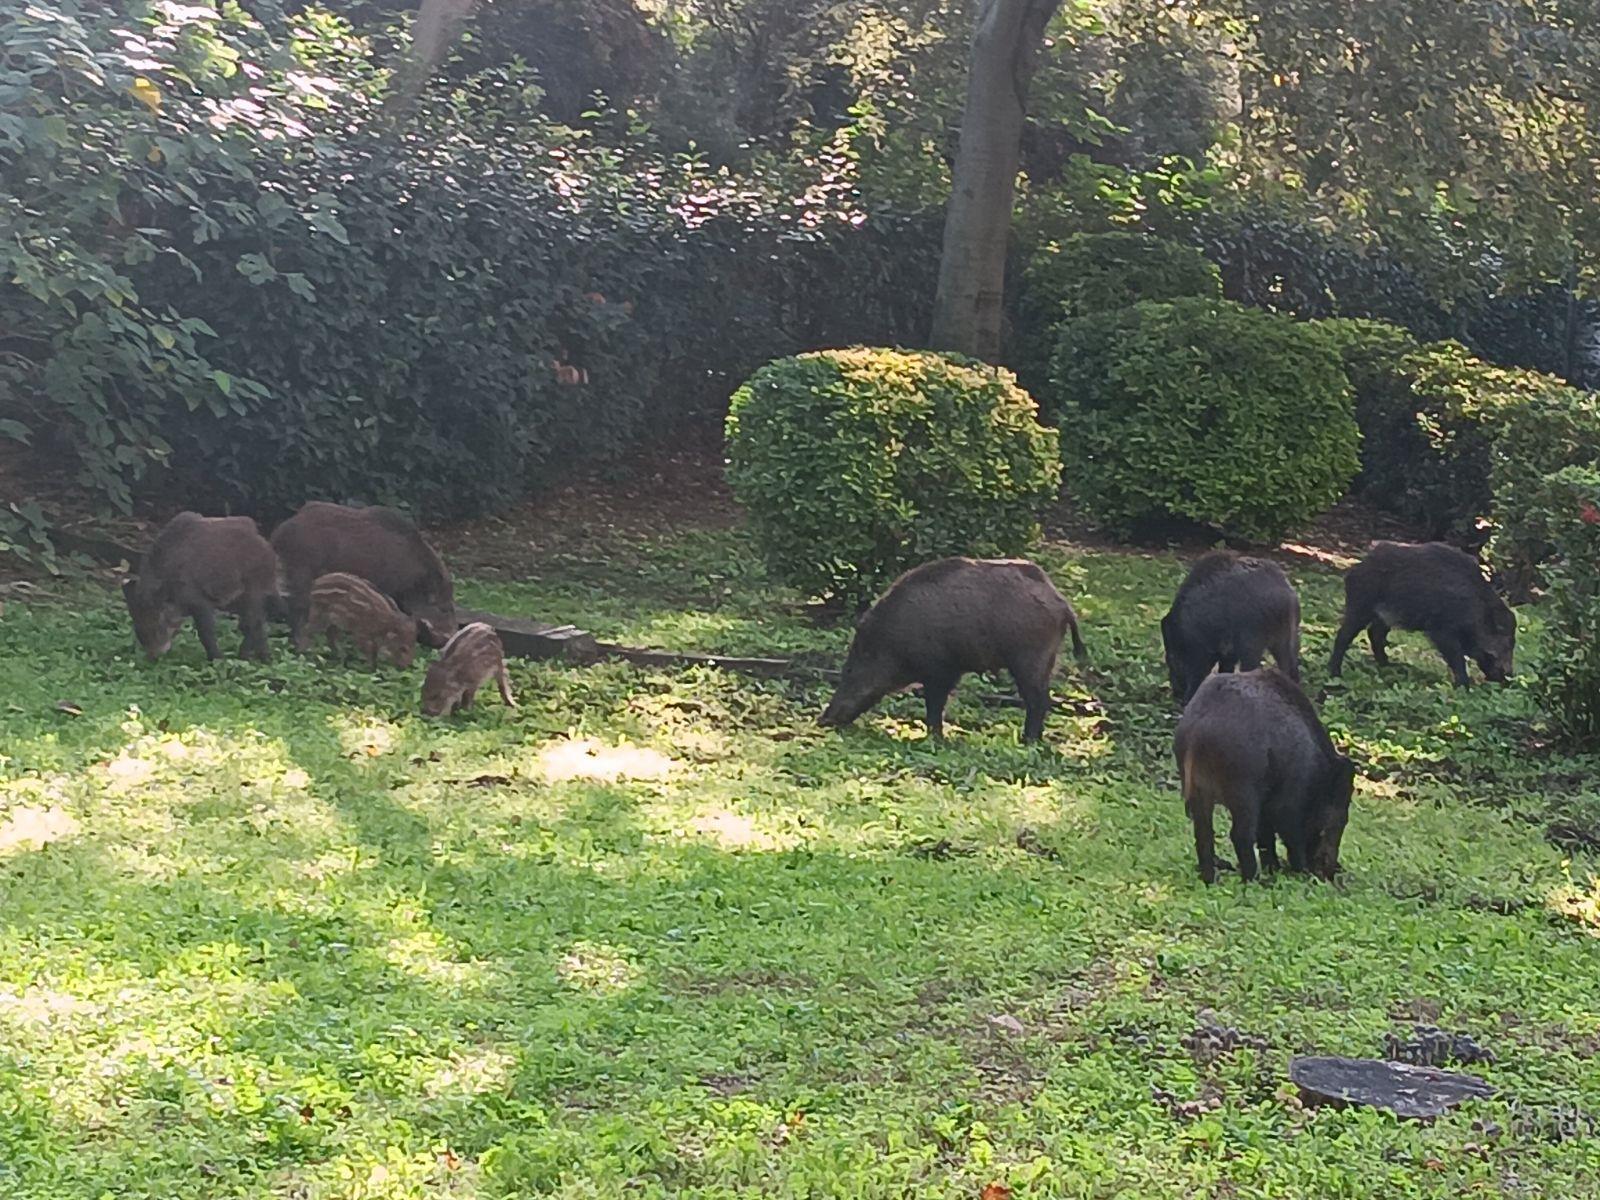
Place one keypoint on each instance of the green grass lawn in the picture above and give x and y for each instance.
(266, 932)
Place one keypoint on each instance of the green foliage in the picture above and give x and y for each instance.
(1204, 411)
(1371, 352)
(1087, 273)
(655, 934)
(1551, 429)
(856, 464)
(1432, 417)
(1565, 508)
(287, 293)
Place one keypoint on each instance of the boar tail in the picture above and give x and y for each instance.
(1197, 800)
(1078, 652)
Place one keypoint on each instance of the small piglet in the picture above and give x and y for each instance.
(1251, 743)
(378, 544)
(195, 566)
(469, 659)
(348, 604)
(1227, 614)
(1434, 588)
(947, 618)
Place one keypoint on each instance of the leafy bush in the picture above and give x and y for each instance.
(1372, 352)
(1431, 419)
(857, 464)
(1087, 273)
(1231, 417)
(1553, 429)
(1566, 507)
(290, 293)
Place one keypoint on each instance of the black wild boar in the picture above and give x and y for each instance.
(1227, 614)
(1433, 588)
(195, 566)
(351, 605)
(469, 659)
(1251, 743)
(944, 619)
(379, 545)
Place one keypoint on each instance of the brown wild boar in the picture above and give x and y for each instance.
(1434, 588)
(1227, 614)
(469, 659)
(1251, 743)
(379, 545)
(195, 566)
(945, 619)
(347, 604)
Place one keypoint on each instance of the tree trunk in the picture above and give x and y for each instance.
(1005, 46)
(433, 31)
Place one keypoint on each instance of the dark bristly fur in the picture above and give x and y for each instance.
(945, 619)
(195, 566)
(379, 545)
(469, 659)
(1433, 588)
(1227, 614)
(342, 603)
(1252, 743)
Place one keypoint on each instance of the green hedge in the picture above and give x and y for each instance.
(854, 465)
(1088, 273)
(1235, 418)
(1565, 506)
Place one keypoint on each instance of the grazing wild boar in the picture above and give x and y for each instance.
(944, 619)
(1251, 743)
(1227, 614)
(469, 659)
(348, 604)
(1433, 588)
(379, 545)
(195, 566)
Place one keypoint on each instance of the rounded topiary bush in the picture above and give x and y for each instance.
(1231, 417)
(854, 465)
(1090, 273)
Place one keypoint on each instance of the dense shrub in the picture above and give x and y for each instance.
(1372, 352)
(1231, 417)
(228, 271)
(1553, 429)
(1432, 419)
(856, 464)
(1566, 506)
(1089, 273)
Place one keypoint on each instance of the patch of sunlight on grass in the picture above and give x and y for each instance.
(598, 968)
(736, 831)
(362, 735)
(42, 1006)
(426, 955)
(476, 1074)
(1579, 903)
(28, 827)
(586, 758)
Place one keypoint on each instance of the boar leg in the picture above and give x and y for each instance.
(1267, 844)
(1036, 699)
(333, 639)
(372, 654)
(205, 624)
(1378, 638)
(1450, 648)
(504, 678)
(1244, 841)
(467, 697)
(1353, 624)
(1286, 653)
(935, 695)
(1205, 843)
(253, 620)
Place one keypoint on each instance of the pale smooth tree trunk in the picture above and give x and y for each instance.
(433, 31)
(977, 224)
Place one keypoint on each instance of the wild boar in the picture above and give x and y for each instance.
(379, 545)
(1227, 614)
(471, 657)
(195, 566)
(1433, 588)
(944, 619)
(351, 605)
(1251, 743)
